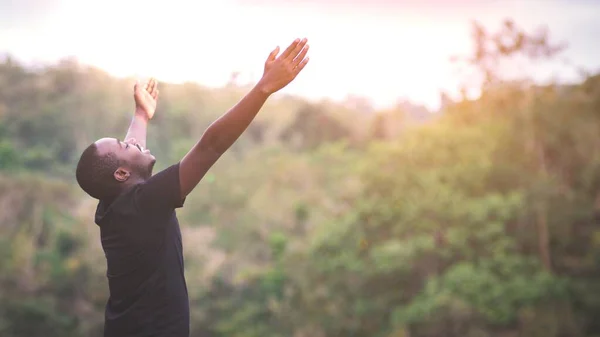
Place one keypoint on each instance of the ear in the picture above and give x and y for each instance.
(122, 174)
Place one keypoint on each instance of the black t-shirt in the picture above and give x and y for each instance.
(142, 244)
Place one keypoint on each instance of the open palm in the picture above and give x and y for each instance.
(281, 70)
(146, 96)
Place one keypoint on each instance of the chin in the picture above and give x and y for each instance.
(144, 171)
(151, 165)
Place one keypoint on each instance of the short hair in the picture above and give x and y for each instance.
(95, 173)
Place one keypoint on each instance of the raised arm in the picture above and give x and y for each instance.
(145, 96)
(279, 71)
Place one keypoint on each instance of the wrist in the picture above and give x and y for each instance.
(140, 114)
(263, 88)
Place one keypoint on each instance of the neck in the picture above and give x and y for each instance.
(132, 181)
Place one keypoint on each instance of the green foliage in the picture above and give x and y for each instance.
(322, 220)
(495, 289)
(35, 317)
(9, 159)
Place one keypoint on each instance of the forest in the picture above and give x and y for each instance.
(325, 219)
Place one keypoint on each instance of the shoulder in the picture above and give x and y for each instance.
(122, 206)
(161, 191)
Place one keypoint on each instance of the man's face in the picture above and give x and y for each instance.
(133, 158)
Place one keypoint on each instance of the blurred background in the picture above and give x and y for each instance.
(433, 171)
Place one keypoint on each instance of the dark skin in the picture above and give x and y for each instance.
(133, 156)
(138, 160)
(279, 71)
(146, 98)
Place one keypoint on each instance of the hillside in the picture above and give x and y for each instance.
(324, 220)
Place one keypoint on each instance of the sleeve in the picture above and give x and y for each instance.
(161, 192)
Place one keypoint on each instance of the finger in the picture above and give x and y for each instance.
(301, 66)
(273, 54)
(155, 94)
(296, 50)
(300, 57)
(150, 85)
(289, 49)
(154, 86)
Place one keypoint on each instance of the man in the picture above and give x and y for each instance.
(136, 210)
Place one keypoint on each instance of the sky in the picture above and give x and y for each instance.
(382, 50)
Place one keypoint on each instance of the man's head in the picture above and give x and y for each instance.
(109, 165)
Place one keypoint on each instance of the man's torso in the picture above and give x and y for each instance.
(145, 271)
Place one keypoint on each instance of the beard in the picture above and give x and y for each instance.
(144, 170)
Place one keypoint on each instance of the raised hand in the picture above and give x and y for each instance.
(280, 71)
(146, 96)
